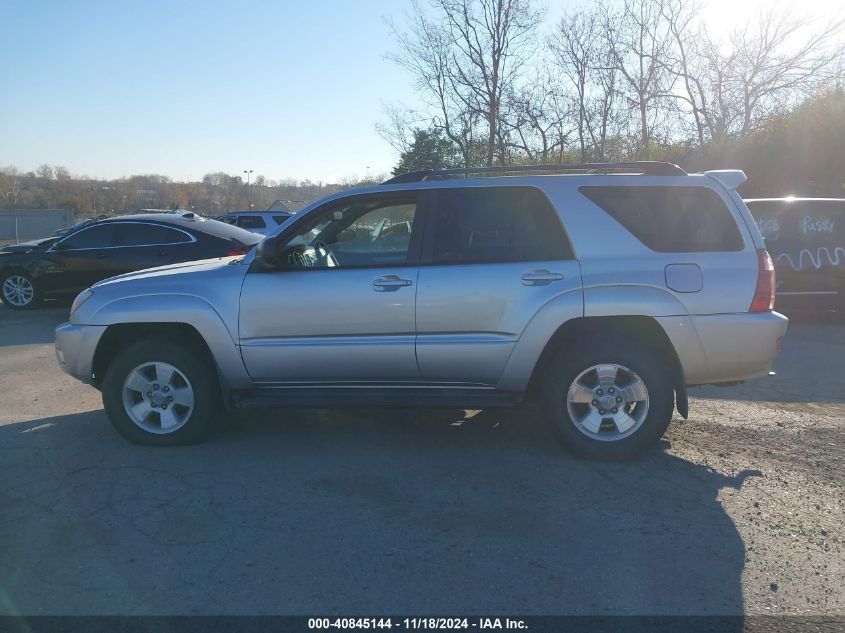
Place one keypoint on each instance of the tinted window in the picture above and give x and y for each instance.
(98, 236)
(671, 219)
(280, 218)
(496, 224)
(251, 222)
(150, 234)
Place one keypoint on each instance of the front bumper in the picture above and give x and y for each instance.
(75, 347)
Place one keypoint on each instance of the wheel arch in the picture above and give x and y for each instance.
(118, 336)
(643, 329)
(128, 319)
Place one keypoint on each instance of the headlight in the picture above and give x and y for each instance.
(81, 298)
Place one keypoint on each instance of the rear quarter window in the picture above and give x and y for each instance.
(670, 219)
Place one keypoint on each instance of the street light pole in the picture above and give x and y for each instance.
(248, 193)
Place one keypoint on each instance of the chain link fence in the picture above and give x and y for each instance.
(21, 225)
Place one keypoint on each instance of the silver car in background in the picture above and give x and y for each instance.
(603, 290)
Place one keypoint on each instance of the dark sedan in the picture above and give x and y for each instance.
(55, 266)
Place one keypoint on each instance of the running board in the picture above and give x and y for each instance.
(328, 397)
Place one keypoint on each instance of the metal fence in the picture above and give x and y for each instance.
(20, 225)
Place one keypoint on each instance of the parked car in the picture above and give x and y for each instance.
(806, 237)
(97, 250)
(69, 229)
(604, 294)
(261, 222)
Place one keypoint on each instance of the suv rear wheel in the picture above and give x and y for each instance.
(608, 403)
(161, 393)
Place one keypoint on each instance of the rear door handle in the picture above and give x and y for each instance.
(389, 283)
(100, 256)
(540, 277)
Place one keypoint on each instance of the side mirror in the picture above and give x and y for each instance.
(267, 252)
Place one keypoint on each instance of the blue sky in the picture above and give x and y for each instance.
(290, 89)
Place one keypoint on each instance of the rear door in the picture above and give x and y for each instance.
(492, 257)
(147, 245)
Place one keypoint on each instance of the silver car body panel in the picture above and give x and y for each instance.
(474, 325)
(470, 318)
(328, 324)
(201, 294)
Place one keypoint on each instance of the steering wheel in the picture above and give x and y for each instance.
(324, 256)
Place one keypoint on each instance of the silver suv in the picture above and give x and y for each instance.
(603, 289)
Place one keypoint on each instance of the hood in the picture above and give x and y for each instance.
(24, 247)
(166, 272)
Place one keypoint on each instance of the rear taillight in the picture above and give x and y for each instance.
(764, 293)
(237, 249)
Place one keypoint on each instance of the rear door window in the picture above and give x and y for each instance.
(670, 219)
(496, 224)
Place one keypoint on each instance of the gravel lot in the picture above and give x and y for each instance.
(422, 512)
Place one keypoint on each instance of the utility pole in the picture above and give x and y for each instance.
(248, 193)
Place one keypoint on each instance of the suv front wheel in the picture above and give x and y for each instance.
(609, 403)
(161, 393)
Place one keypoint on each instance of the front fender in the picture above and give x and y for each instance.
(184, 309)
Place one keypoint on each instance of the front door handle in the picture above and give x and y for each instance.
(540, 277)
(389, 283)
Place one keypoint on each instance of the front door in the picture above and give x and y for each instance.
(82, 259)
(337, 305)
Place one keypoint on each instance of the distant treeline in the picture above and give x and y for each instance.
(55, 187)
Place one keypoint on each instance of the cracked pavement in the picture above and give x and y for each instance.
(379, 511)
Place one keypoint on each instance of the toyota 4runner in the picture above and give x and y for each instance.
(602, 289)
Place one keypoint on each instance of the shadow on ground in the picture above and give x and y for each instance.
(31, 327)
(361, 512)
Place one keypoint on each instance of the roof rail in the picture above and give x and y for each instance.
(643, 167)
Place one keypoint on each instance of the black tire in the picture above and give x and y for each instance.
(568, 363)
(36, 296)
(198, 371)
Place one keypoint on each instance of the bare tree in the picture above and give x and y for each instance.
(466, 59)
(774, 62)
(536, 122)
(640, 44)
(574, 45)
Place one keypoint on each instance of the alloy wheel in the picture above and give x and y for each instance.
(607, 402)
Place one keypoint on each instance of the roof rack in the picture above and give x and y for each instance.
(643, 167)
